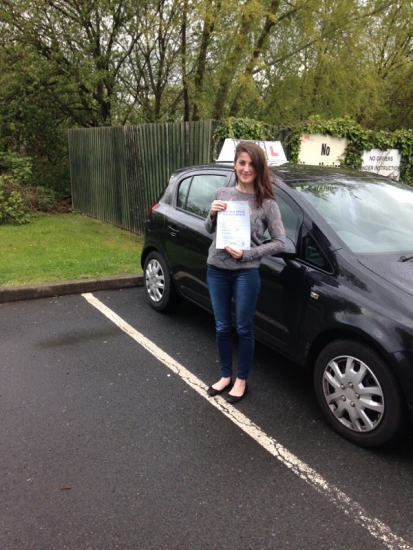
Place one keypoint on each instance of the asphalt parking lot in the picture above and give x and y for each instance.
(108, 440)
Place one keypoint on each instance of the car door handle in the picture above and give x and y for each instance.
(174, 231)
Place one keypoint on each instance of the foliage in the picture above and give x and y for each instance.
(19, 202)
(31, 126)
(403, 140)
(107, 62)
(16, 171)
(36, 199)
(358, 141)
(19, 168)
(67, 64)
(12, 207)
(241, 128)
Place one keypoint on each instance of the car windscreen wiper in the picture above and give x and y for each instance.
(404, 259)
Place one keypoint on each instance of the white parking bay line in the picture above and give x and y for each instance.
(352, 509)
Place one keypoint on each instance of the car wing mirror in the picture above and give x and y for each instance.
(290, 250)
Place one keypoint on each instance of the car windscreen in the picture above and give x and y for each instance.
(369, 216)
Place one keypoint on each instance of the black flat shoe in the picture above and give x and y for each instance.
(213, 392)
(232, 399)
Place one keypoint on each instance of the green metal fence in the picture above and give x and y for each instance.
(118, 172)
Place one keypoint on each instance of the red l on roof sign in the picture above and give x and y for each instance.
(273, 150)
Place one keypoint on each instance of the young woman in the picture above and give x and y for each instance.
(234, 273)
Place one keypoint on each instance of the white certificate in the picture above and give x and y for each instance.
(233, 226)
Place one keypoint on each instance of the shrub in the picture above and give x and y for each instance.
(36, 199)
(12, 207)
(18, 167)
(19, 203)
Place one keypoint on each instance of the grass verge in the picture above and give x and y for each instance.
(66, 247)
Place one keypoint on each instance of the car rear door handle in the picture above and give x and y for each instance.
(174, 231)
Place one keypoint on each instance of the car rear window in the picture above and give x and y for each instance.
(195, 193)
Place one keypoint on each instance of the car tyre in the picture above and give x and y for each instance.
(358, 394)
(160, 290)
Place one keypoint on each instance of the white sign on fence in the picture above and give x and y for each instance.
(385, 163)
(322, 150)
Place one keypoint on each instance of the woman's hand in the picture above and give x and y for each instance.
(217, 206)
(235, 253)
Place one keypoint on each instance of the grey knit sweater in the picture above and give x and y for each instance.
(266, 217)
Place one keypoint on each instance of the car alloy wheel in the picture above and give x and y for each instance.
(155, 280)
(161, 292)
(358, 393)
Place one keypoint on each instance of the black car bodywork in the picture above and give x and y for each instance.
(346, 316)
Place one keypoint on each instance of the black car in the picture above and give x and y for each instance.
(338, 300)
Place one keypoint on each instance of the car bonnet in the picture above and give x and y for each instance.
(399, 274)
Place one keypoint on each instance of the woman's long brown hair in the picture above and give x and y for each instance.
(262, 183)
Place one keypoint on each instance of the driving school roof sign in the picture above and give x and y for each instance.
(273, 150)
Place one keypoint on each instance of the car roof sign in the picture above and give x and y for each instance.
(273, 150)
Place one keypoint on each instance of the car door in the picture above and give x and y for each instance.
(277, 317)
(321, 296)
(187, 242)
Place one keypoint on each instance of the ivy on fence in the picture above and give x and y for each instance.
(358, 139)
(241, 128)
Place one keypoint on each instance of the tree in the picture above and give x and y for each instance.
(84, 44)
(69, 63)
(392, 55)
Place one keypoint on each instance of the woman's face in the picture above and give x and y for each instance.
(244, 169)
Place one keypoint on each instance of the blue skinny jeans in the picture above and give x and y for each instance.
(243, 285)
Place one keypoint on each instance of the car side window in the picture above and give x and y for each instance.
(183, 192)
(291, 220)
(312, 254)
(201, 190)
